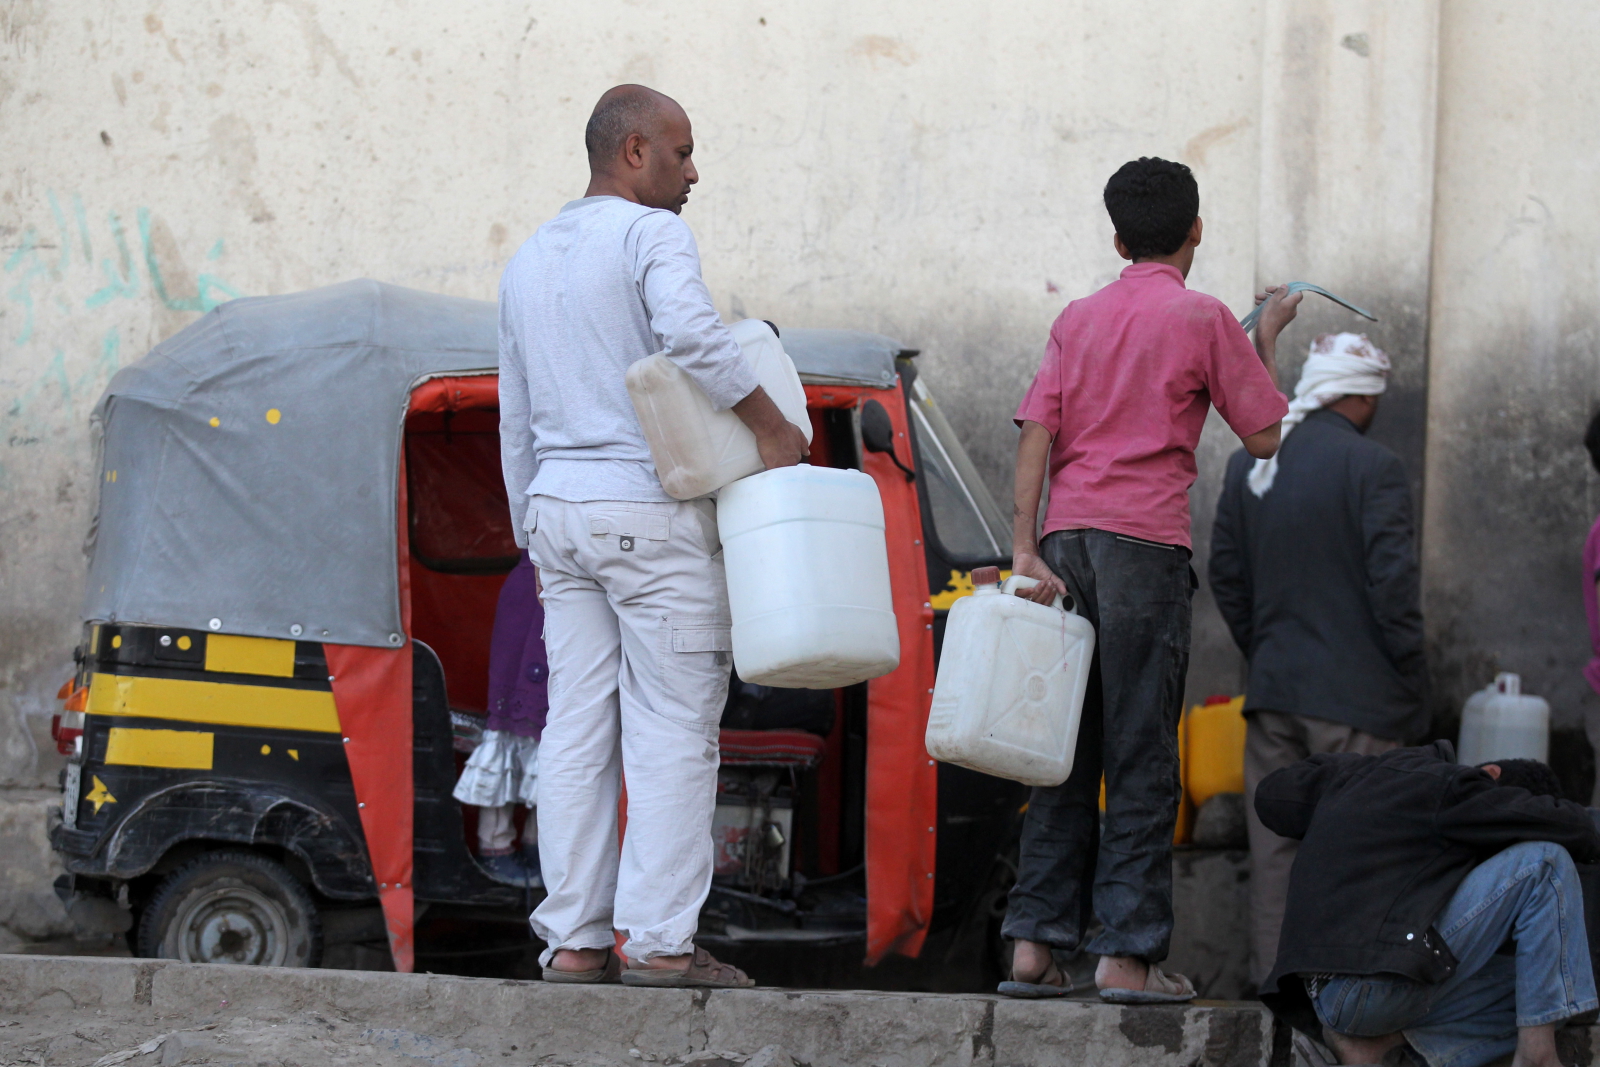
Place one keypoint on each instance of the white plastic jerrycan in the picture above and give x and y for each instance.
(1469, 742)
(698, 450)
(1501, 722)
(808, 578)
(1011, 681)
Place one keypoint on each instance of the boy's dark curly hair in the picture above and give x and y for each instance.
(1152, 203)
(1537, 778)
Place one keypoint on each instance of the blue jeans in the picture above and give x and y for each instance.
(1529, 894)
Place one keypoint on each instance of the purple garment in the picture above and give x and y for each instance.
(1591, 574)
(519, 672)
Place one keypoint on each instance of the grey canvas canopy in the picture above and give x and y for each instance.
(844, 357)
(249, 463)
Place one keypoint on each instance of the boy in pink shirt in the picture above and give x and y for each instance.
(1115, 413)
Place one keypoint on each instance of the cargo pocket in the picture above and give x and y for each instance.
(696, 654)
(698, 633)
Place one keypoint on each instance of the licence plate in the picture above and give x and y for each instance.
(69, 796)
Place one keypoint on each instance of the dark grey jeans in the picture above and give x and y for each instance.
(1137, 595)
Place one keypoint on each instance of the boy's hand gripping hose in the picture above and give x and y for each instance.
(1249, 321)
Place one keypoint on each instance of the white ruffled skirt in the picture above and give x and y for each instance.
(503, 769)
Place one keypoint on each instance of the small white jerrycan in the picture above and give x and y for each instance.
(1501, 722)
(698, 450)
(1011, 681)
(1469, 742)
(808, 578)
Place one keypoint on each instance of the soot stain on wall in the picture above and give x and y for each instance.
(1512, 501)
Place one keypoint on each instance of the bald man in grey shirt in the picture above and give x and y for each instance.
(603, 284)
(636, 604)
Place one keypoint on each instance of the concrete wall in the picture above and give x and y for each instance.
(931, 171)
(931, 174)
(1515, 328)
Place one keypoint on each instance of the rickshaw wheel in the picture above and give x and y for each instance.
(232, 907)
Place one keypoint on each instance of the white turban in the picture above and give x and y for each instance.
(1340, 364)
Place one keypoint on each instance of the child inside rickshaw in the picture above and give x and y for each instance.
(504, 769)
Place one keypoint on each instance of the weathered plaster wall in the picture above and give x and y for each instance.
(932, 173)
(1515, 368)
(1344, 199)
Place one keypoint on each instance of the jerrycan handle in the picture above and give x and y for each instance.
(1022, 581)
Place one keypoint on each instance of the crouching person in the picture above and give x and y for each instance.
(1432, 907)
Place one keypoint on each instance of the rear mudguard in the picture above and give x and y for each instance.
(232, 812)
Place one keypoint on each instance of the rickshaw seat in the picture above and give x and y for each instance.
(771, 748)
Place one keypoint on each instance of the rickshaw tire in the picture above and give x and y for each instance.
(232, 893)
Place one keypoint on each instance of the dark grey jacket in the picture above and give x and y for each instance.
(1385, 842)
(1318, 581)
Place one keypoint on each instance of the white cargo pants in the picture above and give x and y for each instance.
(637, 631)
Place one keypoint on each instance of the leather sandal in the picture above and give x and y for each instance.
(703, 972)
(1159, 988)
(1052, 982)
(610, 974)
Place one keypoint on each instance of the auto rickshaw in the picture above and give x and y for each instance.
(299, 541)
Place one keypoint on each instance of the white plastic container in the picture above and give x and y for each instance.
(1504, 724)
(1012, 676)
(698, 450)
(808, 578)
(1469, 741)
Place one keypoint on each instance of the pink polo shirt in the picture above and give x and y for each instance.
(1123, 389)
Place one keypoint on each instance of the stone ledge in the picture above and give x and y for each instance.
(819, 1028)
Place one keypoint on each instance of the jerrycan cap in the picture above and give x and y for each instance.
(984, 577)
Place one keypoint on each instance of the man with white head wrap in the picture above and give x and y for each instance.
(1340, 365)
(1314, 567)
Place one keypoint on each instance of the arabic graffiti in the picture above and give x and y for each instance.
(55, 300)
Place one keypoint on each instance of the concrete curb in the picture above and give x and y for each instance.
(819, 1028)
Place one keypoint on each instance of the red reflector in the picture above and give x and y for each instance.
(66, 737)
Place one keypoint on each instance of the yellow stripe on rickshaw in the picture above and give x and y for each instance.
(179, 749)
(250, 655)
(216, 703)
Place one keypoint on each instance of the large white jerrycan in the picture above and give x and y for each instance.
(808, 578)
(1469, 742)
(1012, 676)
(1505, 724)
(698, 450)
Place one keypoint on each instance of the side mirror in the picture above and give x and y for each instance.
(877, 433)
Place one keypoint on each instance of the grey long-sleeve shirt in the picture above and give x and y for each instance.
(1319, 583)
(602, 285)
